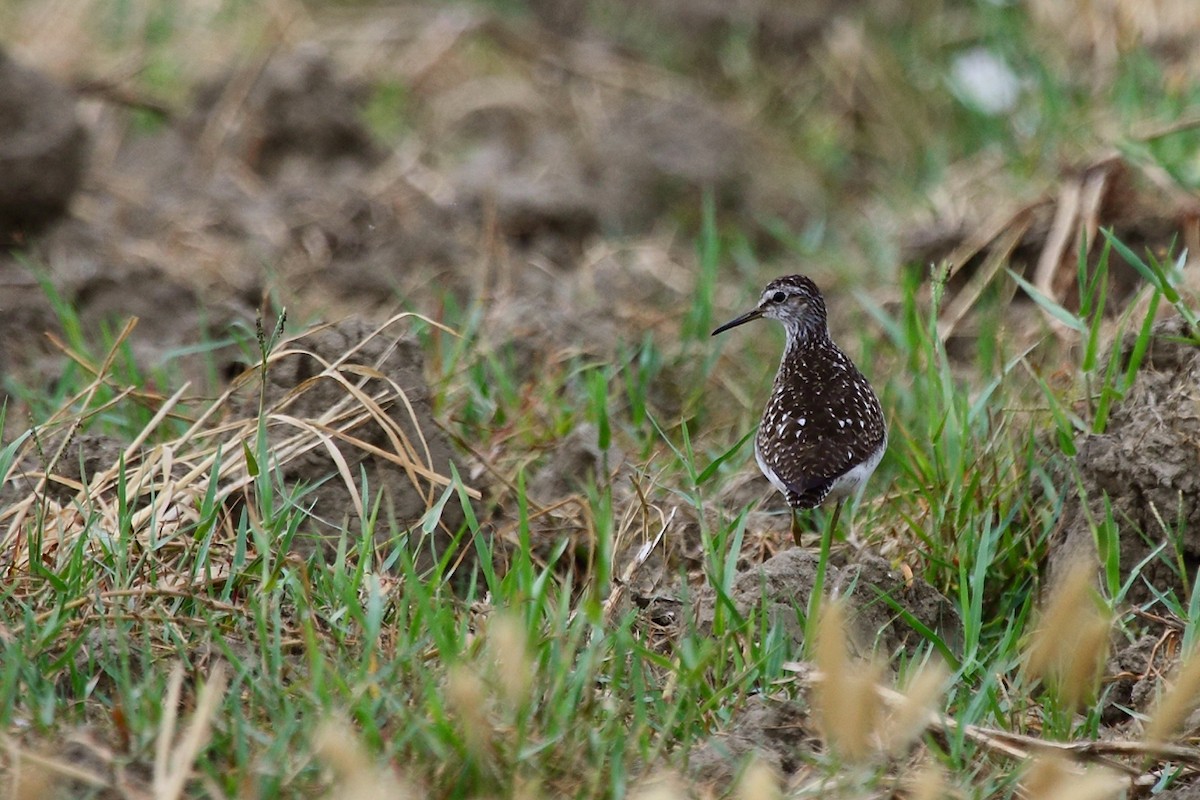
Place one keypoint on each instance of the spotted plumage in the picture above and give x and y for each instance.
(823, 432)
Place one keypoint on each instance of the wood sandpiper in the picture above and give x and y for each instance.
(822, 433)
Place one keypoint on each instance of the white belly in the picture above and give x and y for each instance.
(850, 483)
(843, 486)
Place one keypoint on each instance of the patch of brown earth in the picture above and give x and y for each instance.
(781, 731)
(1146, 467)
(43, 151)
(501, 188)
(1135, 672)
(783, 584)
(297, 114)
(1180, 793)
(777, 731)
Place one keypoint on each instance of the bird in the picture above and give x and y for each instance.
(823, 431)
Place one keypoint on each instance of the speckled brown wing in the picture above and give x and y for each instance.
(823, 420)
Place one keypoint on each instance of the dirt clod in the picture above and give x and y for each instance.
(43, 149)
(84, 455)
(298, 109)
(776, 731)
(656, 153)
(784, 583)
(1138, 667)
(1180, 793)
(574, 460)
(1146, 464)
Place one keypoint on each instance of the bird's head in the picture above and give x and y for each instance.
(795, 301)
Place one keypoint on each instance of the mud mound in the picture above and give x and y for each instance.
(781, 731)
(657, 154)
(784, 582)
(529, 174)
(1136, 669)
(1147, 466)
(700, 28)
(82, 457)
(171, 318)
(553, 179)
(575, 459)
(42, 150)
(367, 392)
(266, 181)
(298, 109)
(1181, 793)
(776, 731)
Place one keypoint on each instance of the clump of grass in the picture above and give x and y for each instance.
(957, 462)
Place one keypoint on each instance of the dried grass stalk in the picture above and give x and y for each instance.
(1052, 777)
(909, 718)
(508, 645)
(1070, 646)
(467, 698)
(758, 782)
(847, 704)
(336, 744)
(1177, 703)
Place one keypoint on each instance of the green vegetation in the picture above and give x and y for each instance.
(514, 664)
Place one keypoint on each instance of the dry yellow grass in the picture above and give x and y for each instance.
(909, 718)
(928, 783)
(161, 487)
(1052, 777)
(1070, 644)
(508, 646)
(467, 699)
(356, 776)
(758, 782)
(173, 762)
(1176, 703)
(660, 786)
(846, 701)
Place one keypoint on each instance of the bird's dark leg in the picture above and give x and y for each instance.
(827, 535)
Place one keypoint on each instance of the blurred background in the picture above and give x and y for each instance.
(188, 162)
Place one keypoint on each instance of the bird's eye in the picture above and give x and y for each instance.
(778, 297)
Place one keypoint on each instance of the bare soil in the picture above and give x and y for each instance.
(1146, 464)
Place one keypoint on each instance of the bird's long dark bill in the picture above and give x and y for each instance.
(742, 320)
